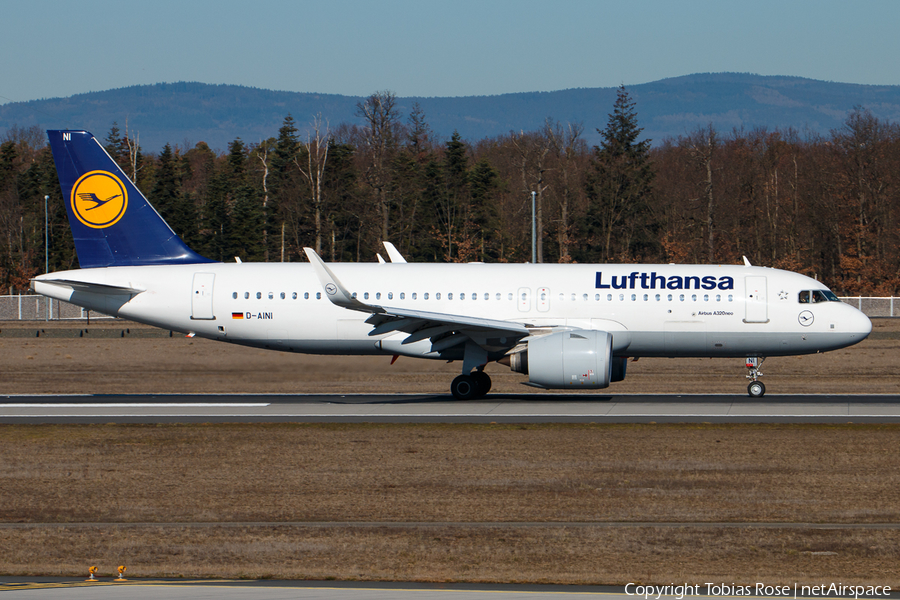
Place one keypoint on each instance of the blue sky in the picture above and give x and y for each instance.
(421, 48)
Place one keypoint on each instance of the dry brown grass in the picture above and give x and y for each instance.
(460, 473)
(180, 365)
(509, 554)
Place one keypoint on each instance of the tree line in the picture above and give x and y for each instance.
(826, 206)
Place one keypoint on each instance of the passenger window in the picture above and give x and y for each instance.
(294, 296)
(633, 297)
(694, 297)
(246, 295)
(498, 296)
(706, 297)
(804, 297)
(378, 295)
(282, 295)
(366, 295)
(259, 295)
(658, 297)
(306, 295)
(487, 296)
(585, 297)
(353, 295)
(510, 296)
(573, 297)
(596, 297)
(318, 295)
(390, 295)
(271, 296)
(681, 297)
(609, 297)
(403, 295)
(670, 297)
(718, 297)
(730, 297)
(425, 295)
(437, 296)
(561, 297)
(646, 297)
(413, 295)
(543, 296)
(621, 297)
(234, 295)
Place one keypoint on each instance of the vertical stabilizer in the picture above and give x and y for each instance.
(112, 223)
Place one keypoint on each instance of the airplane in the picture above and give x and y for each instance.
(564, 326)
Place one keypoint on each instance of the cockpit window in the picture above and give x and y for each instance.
(808, 296)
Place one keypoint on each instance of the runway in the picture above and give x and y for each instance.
(419, 408)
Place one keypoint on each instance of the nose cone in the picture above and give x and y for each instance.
(858, 325)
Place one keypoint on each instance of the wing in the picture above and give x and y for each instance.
(445, 330)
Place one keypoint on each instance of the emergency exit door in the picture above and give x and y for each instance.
(202, 296)
(756, 306)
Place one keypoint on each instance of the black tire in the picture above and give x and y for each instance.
(464, 387)
(482, 383)
(756, 389)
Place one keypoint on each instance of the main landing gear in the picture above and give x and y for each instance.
(756, 388)
(471, 386)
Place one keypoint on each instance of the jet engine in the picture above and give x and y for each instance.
(569, 359)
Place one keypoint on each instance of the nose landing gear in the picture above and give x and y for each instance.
(756, 388)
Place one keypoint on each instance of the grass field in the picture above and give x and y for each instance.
(103, 365)
(144, 486)
(463, 474)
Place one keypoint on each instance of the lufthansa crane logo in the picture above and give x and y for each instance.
(99, 199)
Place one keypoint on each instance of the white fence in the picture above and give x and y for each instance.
(874, 306)
(39, 308)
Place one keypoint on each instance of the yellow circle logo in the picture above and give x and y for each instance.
(99, 199)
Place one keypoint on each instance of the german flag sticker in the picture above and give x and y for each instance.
(237, 315)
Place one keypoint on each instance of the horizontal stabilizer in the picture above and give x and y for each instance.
(91, 288)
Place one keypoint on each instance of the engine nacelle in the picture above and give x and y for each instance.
(569, 359)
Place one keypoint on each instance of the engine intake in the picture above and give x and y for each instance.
(568, 359)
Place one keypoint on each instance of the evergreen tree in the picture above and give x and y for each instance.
(178, 211)
(484, 181)
(618, 188)
(284, 189)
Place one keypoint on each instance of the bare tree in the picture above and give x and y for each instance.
(703, 147)
(532, 150)
(380, 115)
(316, 157)
(566, 144)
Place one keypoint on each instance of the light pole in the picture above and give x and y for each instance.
(46, 238)
(533, 232)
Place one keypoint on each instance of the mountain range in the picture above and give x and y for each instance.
(185, 113)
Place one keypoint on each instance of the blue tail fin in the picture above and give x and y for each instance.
(112, 223)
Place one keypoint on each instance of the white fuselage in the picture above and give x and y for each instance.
(651, 310)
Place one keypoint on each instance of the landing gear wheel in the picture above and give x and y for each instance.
(464, 387)
(756, 389)
(482, 383)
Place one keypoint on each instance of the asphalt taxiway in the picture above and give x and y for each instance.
(424, 408)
